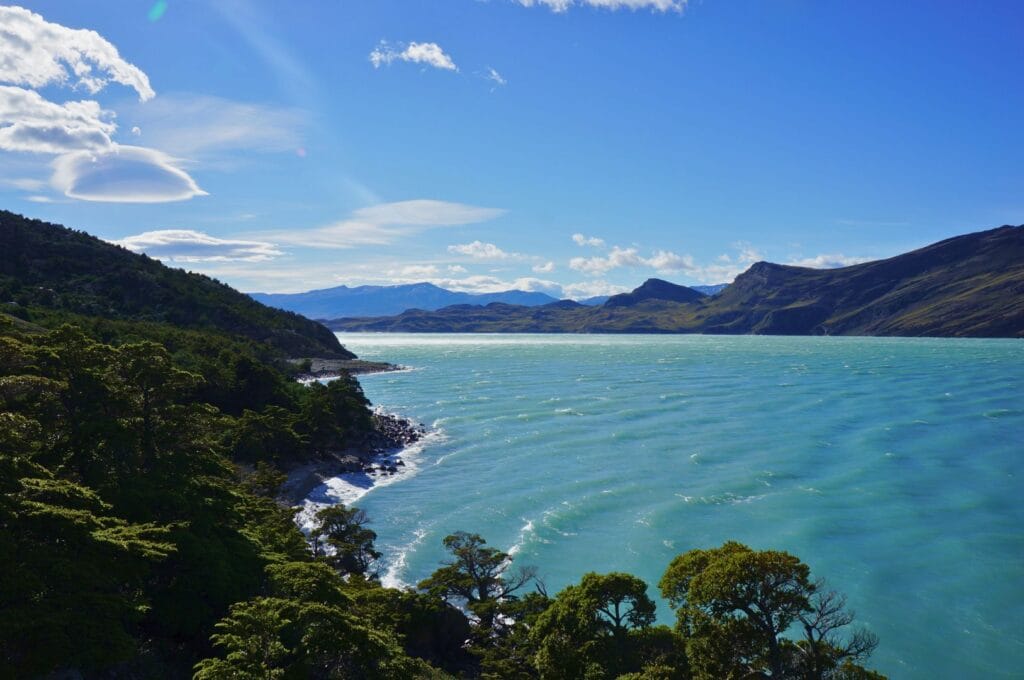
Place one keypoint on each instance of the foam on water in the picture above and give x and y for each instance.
(893, 467)
(350, 487)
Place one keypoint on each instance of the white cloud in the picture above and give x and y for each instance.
(654, 5)
(385, 223)
(28, 122)
(429, 54)
(666, 261)
(478, 250)
(582, 240)
(827, 261)
(183, 245)
(90, 166)
(37, 53)
(493, 284)
(599, 266)
(123, 174)
(726, 268)
(545, 268)
(456, 269)
(416, 271)
(663, 261)
(722, 270)
(588, 289)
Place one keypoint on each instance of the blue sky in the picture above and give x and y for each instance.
(572, 146)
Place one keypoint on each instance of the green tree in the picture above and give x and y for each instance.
(477, 576)
(825, 653)
(251, 637)
(335, 415)
(267, 436)
(592, 629)
(72, 581)
(429, 628)
(734, 605)
(341, 538)
(307, 629)
(511, 654)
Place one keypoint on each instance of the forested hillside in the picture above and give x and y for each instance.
(52, 267)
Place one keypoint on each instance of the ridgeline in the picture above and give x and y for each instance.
(967, 286)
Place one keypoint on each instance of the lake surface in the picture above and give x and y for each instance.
(893, 467)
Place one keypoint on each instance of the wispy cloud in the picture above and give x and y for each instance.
(495, 77)
(257, 29)
(184, 245)
(197, 126)
(25, 183)
(385, 223)
(564, 5)
(428, 54)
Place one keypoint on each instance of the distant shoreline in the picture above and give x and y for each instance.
(328, 369)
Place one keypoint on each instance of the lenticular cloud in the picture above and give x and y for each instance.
(124, 174)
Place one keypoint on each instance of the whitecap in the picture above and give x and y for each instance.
(524, 533)
(392, 577)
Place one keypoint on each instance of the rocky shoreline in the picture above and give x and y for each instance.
(377, 455)
(322, 369)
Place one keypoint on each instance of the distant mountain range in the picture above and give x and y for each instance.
(330, 303)
(967, 286)
(711, 290)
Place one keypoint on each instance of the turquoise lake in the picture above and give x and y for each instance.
(893, 467)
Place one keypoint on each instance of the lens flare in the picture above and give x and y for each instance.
(157, 10)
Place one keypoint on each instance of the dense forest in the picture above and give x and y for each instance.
(141, 533)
